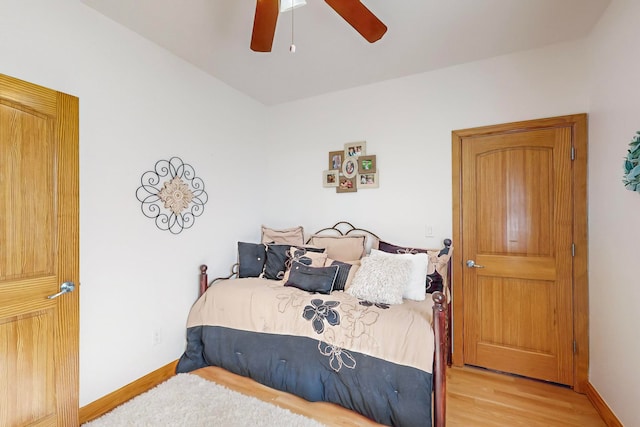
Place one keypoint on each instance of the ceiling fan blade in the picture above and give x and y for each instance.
(360, 18)
(264, 25)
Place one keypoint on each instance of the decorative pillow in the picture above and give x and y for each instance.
(313, 257)
(415, 289)
(340, 248)
(288, 236)
(439, 263)
(438, 260)
(312, 279)
(395, 249)
(381, 279)
(274, 266)
(251, 259)
(346, 272)
(434, 283)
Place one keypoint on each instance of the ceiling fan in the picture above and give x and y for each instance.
(352, 11)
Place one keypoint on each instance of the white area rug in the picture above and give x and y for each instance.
(191, 401)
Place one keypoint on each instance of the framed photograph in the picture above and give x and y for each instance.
(367, 164)
(355, 149)
(330, 178)
(350, 167)
(347, 185)
(368, 180)
(335, 159)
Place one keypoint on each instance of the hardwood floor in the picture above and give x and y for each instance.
(475, 397)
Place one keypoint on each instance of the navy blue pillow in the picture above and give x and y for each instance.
(312, 279)
(275, 266)
(251, 259)
(343, 275)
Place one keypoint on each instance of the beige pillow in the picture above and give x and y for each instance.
(341, 248)
(287, 236)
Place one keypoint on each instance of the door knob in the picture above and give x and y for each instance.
(472, 264)
(64, 288)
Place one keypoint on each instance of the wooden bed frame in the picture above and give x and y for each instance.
(441, 327)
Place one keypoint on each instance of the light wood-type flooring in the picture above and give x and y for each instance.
(475, 397)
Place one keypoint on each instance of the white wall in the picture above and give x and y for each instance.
(138, 104)
(613, 212)
(407, 123)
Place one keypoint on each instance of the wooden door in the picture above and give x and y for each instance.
(517, 225)
(38, 252)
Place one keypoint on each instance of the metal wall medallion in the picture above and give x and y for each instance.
(172, 195)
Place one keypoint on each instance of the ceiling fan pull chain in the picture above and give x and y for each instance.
(292, 48)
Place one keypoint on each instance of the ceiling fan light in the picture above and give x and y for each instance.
(287, 5)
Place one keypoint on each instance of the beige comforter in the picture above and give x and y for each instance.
(341, 323)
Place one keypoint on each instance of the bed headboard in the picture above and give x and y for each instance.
(372, 241)
(344, 228)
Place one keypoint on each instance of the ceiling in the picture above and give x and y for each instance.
(422, 35)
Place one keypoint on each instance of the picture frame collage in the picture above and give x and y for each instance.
(351, 169)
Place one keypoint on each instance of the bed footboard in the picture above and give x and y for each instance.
(204, 280)
(440, 359)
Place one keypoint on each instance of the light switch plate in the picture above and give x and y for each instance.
(428, 230)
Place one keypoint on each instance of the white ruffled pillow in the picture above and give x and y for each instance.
(416, 287)
(381, 279)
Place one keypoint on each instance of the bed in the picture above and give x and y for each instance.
(292, 331)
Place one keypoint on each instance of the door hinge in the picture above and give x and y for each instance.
(575, 347)
(573, 249)
(573, 153)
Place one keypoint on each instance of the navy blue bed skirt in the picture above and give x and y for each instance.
(383, 391)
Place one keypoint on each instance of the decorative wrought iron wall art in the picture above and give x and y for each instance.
(172, 195)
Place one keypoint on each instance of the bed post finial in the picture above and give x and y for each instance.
(204, 281)
(439, 300)
(447, 247)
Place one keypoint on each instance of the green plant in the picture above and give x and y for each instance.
(631, 178)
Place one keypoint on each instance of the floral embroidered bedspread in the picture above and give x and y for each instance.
(340, 323)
